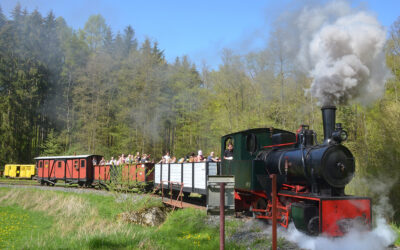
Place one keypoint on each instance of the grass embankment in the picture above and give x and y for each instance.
(44, 219)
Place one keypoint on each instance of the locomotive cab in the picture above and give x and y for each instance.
(249, 170)
(251, 175)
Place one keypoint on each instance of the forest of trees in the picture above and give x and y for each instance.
(98, 91)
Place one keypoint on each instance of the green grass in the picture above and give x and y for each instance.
(81, 221)
(4, 180)
(45, 219)
(18, 225)
(232, 226)
(185, 229)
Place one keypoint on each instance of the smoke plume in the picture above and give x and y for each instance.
(342, 50)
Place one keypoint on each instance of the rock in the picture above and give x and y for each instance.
(153, 216)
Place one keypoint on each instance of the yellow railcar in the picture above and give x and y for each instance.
(22, 171)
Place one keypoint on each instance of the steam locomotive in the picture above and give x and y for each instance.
(311, 177)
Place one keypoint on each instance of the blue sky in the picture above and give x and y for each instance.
(199, 29)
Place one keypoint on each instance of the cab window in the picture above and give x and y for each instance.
(251, 143)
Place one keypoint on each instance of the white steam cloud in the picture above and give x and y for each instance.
(380, 237)
(342, 50)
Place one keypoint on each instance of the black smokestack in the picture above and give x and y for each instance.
(329, 120)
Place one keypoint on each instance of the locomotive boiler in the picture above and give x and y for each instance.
(311, 177)
(324, 168)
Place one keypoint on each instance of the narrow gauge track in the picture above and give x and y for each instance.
(188, 202)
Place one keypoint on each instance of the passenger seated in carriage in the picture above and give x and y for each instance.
(103, 161)
(128, 159)
(172, 160)
(121, 160)
(137, 157)
(211, 158)
(192, 158)
(165, 159)
(200, 156)
(143, 159)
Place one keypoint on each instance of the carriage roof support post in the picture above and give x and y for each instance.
(274, 200)
(222, 216)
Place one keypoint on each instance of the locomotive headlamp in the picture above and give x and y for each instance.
(339, 134)
(343, 135)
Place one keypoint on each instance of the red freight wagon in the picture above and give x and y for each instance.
(71, 169)
(129, 173)
(102, 173)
